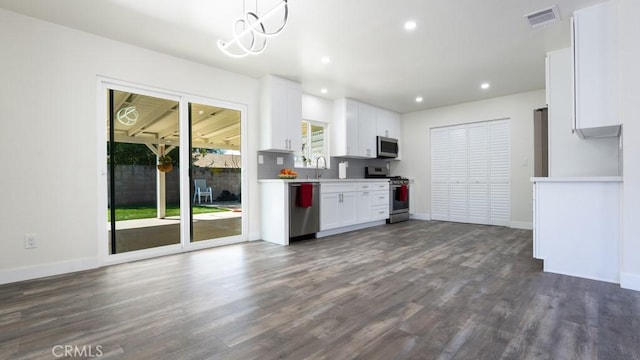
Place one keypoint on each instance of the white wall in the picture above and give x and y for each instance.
(416, 145)
(568, 154)
(49, 129)
(630, 112)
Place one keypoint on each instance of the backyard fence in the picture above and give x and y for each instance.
(136, 184)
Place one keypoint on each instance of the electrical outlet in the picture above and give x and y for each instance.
(30, 241)
(279, 160)
(260, 159)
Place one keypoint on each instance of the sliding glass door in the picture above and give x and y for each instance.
(155, 202)
(143, 202)
(216, 172)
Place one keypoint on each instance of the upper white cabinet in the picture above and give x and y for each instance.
(280, 114)
(366, 130)
(388, 124)
(355, 126)
(595, 60)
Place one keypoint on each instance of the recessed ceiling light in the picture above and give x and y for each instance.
(419, 99)
(410, 25)
(485, 86)
(324, 90)
(325, 59)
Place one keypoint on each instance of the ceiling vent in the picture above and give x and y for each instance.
(543, 17)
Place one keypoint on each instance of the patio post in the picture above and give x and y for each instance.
(161, 189)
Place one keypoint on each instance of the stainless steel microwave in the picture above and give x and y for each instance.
(387, 147)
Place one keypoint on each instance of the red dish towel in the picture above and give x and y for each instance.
(305, 195)
(403, 193)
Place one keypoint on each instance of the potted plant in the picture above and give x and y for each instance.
(165, 163)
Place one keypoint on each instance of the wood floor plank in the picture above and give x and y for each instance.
(411, 290)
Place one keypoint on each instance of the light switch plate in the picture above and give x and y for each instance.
(260, 159)
(279, 160)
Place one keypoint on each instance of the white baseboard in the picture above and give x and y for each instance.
(255, 235)
(40, 271)
(613, 280)
(418, 216)
(349, 228)
(521, 225)
(630, 281)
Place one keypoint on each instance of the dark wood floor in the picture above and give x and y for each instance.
(412, 290)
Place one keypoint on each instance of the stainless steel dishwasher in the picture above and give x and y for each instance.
(303, 220)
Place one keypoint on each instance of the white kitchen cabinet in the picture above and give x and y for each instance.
(380, 203)
(577, 225)
(365, 200)
(363, 206)
(337, 205)
(274, 205)
(388, 124)
(347, 203)
(353, 131)
(595, 70)
(280, 115)
(344, 129)
(347, 209)
(329, 204)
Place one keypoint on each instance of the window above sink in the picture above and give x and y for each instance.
(314, 144)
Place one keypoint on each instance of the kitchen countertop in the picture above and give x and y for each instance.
(299, 180)
(578, 179)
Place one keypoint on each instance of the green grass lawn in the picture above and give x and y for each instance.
(146, 212)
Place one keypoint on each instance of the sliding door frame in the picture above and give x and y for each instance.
(105, 84)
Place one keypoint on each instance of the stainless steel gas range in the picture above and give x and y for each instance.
(398, 193)
(398, 199)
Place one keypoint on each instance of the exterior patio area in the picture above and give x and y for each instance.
(148, 233)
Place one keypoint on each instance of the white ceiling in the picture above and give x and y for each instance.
(457, 44)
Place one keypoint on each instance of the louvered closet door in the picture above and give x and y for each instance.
(458, 169)
(478, 172)
(470, 173)
(440, 174)
(499, 173)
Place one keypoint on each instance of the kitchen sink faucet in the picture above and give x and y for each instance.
(318, 173)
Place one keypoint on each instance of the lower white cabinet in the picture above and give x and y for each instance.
(380, 204)
(577, 225)
(363, 206)
(349, 203)
(337, 207)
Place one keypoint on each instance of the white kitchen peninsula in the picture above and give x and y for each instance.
(577, 226)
